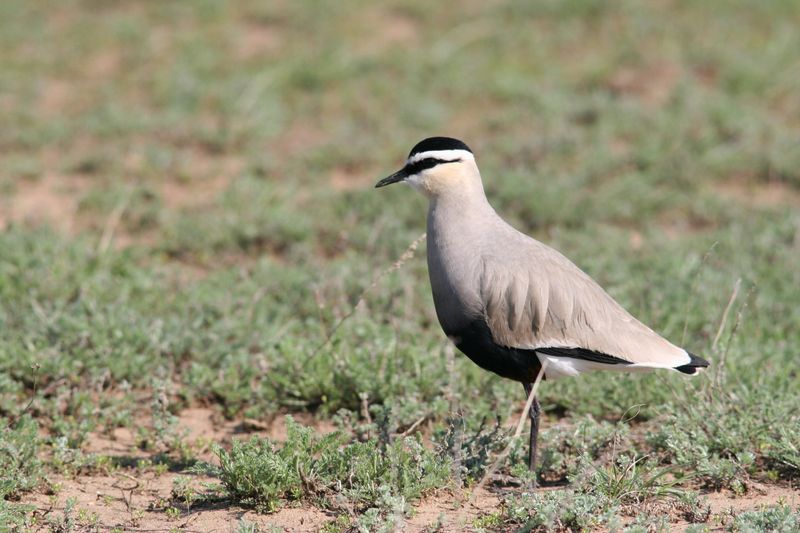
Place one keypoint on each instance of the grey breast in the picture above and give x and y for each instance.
(454, 251)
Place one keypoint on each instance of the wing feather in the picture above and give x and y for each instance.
(536, 298)
(517, 300)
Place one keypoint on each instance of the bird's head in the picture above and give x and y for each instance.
(436, 165)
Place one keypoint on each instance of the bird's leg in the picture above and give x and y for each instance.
(533, 414)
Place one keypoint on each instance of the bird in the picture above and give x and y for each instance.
(512, 304)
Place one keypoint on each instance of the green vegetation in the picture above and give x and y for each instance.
(779, 518)
(187, 219)
(328, 470)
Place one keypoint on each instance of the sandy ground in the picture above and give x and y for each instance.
(138, 499)
(138, 504)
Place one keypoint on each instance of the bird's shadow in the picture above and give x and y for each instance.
(509, 483)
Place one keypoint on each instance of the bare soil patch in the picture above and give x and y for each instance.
(194, 193)
(452, 512)
(725, 505)
(140, 502)
(136, 500)
(258, 40)
(385, 29)
(651, 84)
(728, 503)
(768, 195)
(200, 426)
(300, 136)
(349, 179)
(51, 199)
(54, 199)
(55, 96)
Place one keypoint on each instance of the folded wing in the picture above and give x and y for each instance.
(536, 299)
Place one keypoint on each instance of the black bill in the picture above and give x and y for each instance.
(400, 175)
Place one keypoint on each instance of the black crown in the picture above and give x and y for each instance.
(438, 143)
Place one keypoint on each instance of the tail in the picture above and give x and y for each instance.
(694, 366)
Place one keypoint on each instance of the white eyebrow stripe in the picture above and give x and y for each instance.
(441, 154)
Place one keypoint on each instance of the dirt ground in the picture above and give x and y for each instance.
(139, 501)
(135, 501)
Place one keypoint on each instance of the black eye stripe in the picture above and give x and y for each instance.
(423, 164)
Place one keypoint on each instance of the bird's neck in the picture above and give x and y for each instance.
(461, 205)
(461, 192)
(461, 215)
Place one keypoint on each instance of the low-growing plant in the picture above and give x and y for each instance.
(722, 441)
(327, 470)
(72, 461)
(488, 521)
(386, 516)
(245, 526)
(649, 523)
(562, 510)
(599, 493)
(564, 446)
(15, 515)
(775, 519)
(19, 456)
(184, 492)
(172, 513)
(628, 480)
(66, 521)
(783, 450)
(471, 449)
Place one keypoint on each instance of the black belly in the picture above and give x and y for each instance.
(476, 342)
(520, 364)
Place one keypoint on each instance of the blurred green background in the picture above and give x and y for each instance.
(186, 206)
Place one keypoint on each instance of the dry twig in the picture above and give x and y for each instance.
(408, 254)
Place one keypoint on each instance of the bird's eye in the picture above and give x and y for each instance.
(423, 164)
